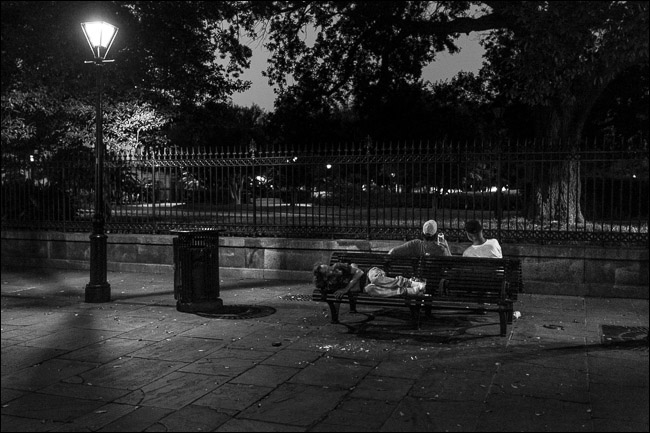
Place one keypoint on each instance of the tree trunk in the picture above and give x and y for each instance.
(555, 197)
(557, 193)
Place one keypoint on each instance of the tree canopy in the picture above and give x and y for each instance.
(559, 57)
(556, 56)
(347, 69)
(169, 54)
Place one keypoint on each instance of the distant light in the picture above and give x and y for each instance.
(328, 166)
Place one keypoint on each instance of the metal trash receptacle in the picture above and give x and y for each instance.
(196, 270)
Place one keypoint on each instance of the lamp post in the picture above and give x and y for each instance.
(100, 36)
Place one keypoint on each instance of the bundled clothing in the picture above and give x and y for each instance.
(383, 286)
(375, 282)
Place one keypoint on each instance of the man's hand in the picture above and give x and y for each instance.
(339, 293)
(445, 245)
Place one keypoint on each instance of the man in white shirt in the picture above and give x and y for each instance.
(480, 246)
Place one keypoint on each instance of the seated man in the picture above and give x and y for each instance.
(480, 247)
(429, 246)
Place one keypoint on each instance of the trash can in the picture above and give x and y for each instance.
(196, 270)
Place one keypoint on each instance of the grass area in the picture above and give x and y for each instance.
(388, 217)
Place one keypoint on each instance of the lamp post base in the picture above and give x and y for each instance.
(98, 289)
(98, 293)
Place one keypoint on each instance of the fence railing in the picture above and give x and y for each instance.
(522, 192)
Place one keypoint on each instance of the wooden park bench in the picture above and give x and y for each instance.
(453, 283)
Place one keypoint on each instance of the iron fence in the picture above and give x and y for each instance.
(521, 191)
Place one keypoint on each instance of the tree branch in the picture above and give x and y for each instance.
(462, 25)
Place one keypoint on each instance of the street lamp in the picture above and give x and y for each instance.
(100, 36)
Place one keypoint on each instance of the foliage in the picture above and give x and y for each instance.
(134, 124)
(27, 200)
(622, 110)
(164, 49)
(218, 126)
(560, 56)
(169, 55)
(555, 56)
(301, 121)
(38, 120)
(357, 48)
(460, 109)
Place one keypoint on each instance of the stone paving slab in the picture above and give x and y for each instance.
(50, 407)
(127, 373)
(141, 418)
(45, 374)
(137, 364)
(18, 357)
(107, 350)
(295, 404)
(234, 397)
(173, 391)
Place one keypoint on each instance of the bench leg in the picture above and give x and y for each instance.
(502, 321)
(334, 311)
(509, 310)
(415, 314)
(353, 303)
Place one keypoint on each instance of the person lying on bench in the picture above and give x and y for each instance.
(343, 278)
(339, 278)
(430, 245)
(480, 247)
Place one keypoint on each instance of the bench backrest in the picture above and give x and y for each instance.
(466, 277)
(392, 265)
(481, 279)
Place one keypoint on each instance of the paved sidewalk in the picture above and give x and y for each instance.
(272, 362)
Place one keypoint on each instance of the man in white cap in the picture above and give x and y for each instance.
(428, 246)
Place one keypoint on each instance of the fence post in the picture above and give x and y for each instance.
(252, 148)
(153, 194)
(499, 210)
(368, 144)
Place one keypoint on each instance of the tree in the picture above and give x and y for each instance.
(621, 112)
(556, 57)
(559, 58)
(169, 55)
(360, 49)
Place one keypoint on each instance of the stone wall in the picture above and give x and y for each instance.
(557, 270)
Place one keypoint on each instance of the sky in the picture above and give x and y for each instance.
(469, 59)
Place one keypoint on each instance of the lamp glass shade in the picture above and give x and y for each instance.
(100, 36)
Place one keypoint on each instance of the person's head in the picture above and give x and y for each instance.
(322, 273)
(474, 230)
(429, 229)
